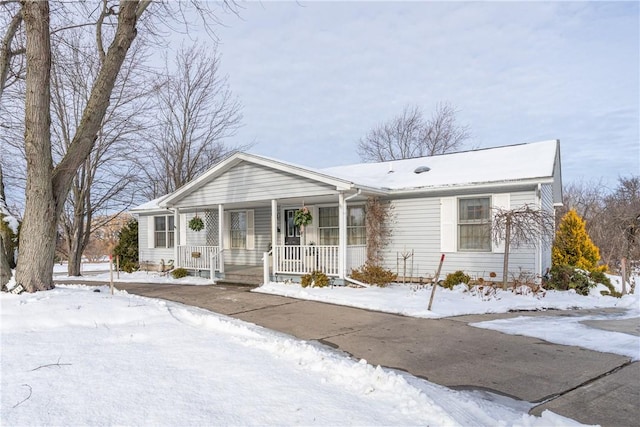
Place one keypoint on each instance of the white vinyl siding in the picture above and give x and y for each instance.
(183, 229)
(448, 235)
(427, 226)
(250, 182)
(500, 202)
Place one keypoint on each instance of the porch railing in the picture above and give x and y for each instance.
(307, 258)
(198, 257)
(356, 256)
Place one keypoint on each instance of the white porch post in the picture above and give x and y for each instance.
(176, 237)
(274, 231)
(342, 235)
(221, 237)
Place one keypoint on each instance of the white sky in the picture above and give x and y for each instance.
(314, 77)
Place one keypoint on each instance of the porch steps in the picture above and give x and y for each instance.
(240, 277)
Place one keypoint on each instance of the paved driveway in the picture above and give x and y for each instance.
(589, 386)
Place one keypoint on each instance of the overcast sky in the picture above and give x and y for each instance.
(314, 77)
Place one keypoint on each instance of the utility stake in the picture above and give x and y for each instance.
(435, 282)
(111, 273)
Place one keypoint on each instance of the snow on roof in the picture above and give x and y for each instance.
(150, 205)
(489, 165)
(500, 164)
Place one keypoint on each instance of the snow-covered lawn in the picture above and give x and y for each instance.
(413, 300)
(72, 356)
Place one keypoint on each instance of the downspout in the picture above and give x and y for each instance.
(538, 260)
(343, 244)
(176, 238)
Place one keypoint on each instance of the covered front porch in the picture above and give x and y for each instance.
(283, 260)
(237, 234)
(248, 206)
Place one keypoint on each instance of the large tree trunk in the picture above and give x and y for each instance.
(47, 188)
(38, 233)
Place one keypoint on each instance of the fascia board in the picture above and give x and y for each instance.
(477, 186)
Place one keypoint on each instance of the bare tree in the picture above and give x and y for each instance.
(11, 50)
(47, 187)
(410, 135)
(197, 113)
(621, 224)
(519, 226)
(100, 183)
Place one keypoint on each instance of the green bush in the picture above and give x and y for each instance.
(316, 279)
(373, 275)
(565, 277)
(179, 273)
(128, 266)
(127, 247)
(456, 278)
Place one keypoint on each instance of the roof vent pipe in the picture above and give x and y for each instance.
(391, 168)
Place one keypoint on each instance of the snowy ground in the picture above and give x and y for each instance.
(73, 356)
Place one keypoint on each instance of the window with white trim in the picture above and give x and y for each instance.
(164, 233)
(328, 225)
(238, 228)
(356, 227)
(328, 220)
(474, 224)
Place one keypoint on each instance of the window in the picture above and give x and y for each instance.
(328, 226)
(238, 229)
(474, 225)
(356, 228)
(164, 231)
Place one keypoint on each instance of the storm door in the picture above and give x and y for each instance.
(292, 236)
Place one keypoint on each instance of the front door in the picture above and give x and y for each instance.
(292, 236)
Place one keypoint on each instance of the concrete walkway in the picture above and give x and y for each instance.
(588, 386)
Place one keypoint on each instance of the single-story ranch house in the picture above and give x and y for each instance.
(439, 205)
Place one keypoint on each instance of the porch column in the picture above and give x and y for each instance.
(274, 231)
(176, 237)
(342, 235)
(221, 237)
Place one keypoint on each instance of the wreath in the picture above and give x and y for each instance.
(196, 223)
(302, 217)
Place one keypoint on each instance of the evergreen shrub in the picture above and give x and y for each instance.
(455, 278)
(127, 247)
(373, 275)
(179, 273)
(316, 279)
(565, 277)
